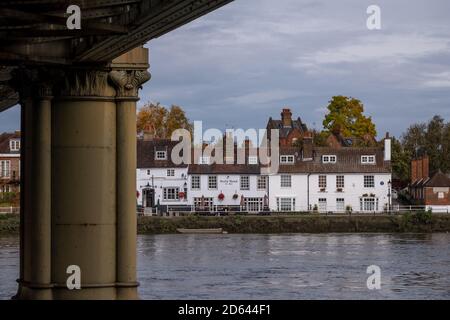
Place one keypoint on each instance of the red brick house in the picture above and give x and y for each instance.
(430, 190)
(9, 166)
(291, 130)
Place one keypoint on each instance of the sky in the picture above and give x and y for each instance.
(239, 65)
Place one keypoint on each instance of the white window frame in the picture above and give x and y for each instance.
(174, 194)
(340, 182)
(287, 159)
(245, 183)
(340, 205)
(369, 182)
(285, 204)
(204, 160)
(322, 181)
(253, 160)
(212, 182)
(161, 155)
(5, 168)
(329, 159)
(262, 182)
(285, 181)
(195, 182)
(368, 159)
(171, 172)
(14, 145)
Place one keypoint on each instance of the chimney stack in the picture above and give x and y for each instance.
(286, 117)
(387, 148)
(307, 146)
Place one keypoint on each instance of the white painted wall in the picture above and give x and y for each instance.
(160, 181)
(228, 185)
(353, 190)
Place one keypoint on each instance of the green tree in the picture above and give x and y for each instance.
(346, 115)
(401, 161)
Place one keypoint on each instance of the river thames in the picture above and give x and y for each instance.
(288, 266)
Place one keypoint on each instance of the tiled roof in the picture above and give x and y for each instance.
(4, 141)
(146, 153)
(348, 161)
(438, 180)
(284, 131)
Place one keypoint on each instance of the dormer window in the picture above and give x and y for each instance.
(204, 160)
(14, 145)
(287, 159)
(161, 155)
(329, 159)
(253, 160)
(368, 159)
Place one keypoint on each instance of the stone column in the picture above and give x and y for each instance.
(84, 185)
(35, 273)
(127, 83)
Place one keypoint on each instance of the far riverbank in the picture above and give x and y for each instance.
(299, 223)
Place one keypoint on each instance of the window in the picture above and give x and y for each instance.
(441, 195)
(253, 204)
(340, 182)
(204, 160)
(230, 159)
(369, 182)
(170, 172)
(285, 181)
(340, 205)
(368, 159)
(262, 182)
(253, 160)
(322, 182)
(212, 182)
(195, 182)
(322, 205)
(170, 193)
(245, 183)
(329, 159)
(285, 204)
(368, 204)
(148, 172)
(287, 159)
(203, 203)
(6, 188)
(14, 145)
(161, 155)
(5, 168)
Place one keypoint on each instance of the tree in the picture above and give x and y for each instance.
(159, 122)
(346, 116)
(401, 161)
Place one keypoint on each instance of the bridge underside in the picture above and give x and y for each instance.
(78, 90)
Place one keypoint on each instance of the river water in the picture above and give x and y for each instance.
(288, 266)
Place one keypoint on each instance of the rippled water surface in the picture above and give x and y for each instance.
(293, 266)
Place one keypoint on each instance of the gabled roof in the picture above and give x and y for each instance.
(284, 131)
(438, 180)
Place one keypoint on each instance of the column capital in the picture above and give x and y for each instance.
(86, 83)
(128, 82)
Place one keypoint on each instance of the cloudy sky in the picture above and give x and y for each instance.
(241, 64)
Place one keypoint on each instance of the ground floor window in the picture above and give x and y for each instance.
(368, 204)
(170, 194)
(322, 205)
(285, 204)
(253, 204)
(340, 205)
(202, 203)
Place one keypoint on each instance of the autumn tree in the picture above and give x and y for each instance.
(346, 115)
(159, 122)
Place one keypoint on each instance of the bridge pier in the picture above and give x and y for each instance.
(79, 169)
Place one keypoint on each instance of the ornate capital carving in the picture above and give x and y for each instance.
(86, 83)
(128, 82)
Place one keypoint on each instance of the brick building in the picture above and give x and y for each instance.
(9, 166)
(430, 190)
(291, 130)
